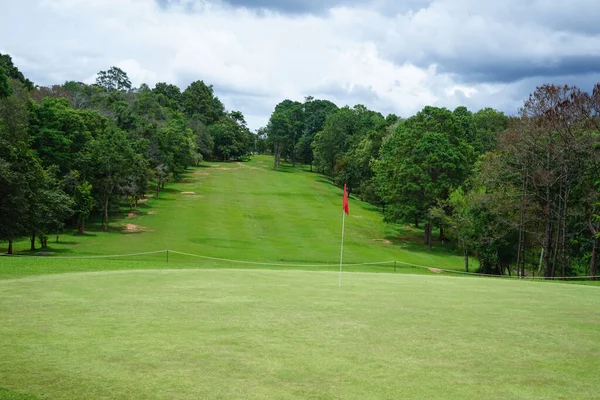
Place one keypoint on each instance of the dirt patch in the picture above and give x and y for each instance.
(131, 215)
(188, 192)
(201, 173)
(238, 166)
(382, 241)
(142, 200)
(436, 270)
(151, 212)
(132, 228)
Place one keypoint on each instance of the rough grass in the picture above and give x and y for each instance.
(249, 334)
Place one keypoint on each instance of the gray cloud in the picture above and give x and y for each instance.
(392, 56)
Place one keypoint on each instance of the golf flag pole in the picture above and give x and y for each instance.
(345, 210)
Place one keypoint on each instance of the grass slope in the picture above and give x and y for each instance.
(248, 211)
(249, 334)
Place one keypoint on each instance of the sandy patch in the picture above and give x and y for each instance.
(436, 270)
(188, 192)
(142, 200)
(382, 241)
(133, 228)
(151, 212)
(201, 173)
(131, 215)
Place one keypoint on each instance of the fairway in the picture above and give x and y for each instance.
(293, 334)
(248, 211)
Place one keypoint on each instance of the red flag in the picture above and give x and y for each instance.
(345, 203)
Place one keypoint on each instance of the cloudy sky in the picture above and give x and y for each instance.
(392, 56)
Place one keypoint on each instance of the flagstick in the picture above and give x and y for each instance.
(342, 251)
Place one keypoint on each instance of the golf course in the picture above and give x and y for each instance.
(226, 286)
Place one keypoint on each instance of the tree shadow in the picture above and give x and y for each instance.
(325, 180)
(44, 251)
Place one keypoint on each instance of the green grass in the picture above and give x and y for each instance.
(248, 211)
(189, 328)
(256, 334)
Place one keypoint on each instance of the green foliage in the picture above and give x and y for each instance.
(422, 161)
(168, 95)
(113, 79)
(83, 202)
(199, 101)
(5, 89)
(231, 138)
(11, 71)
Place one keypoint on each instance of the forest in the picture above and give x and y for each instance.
(520, 193)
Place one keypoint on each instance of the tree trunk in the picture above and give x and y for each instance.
(548, 243)
(10, 245)
(417, 221)
(311, 166)
(294, 151)
(80, 223)
(548, 217)
(563, 244)
(442, 235)
(105, 218)
(594, 259)
(32, 241)
(466, 254)
(428, 235)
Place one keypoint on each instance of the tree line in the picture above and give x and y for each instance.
(68, 150)
(520, 193)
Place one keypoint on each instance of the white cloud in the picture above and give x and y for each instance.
(391, 62)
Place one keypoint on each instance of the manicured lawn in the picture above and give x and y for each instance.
(249, 334)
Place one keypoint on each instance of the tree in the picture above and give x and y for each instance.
(231, 139)
(168, 95)
(278, 129)
(12, 72)
(110, 164)
(423, 159)
(19, 166)
(5, 89)
(83, 202)
(113, 79)
(204, 140)
(59, 132)
(198, 101)
(330, 144)
(48, 207)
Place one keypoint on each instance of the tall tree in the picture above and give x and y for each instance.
(11, 71)
(423, 159)
(113, 79)
(199, 101)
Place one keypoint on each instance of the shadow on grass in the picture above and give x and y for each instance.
(6, 394)
(325, 180)
(44, 251)
(169, 190)
(286, 169)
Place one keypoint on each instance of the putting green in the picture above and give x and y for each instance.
(193, 334)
